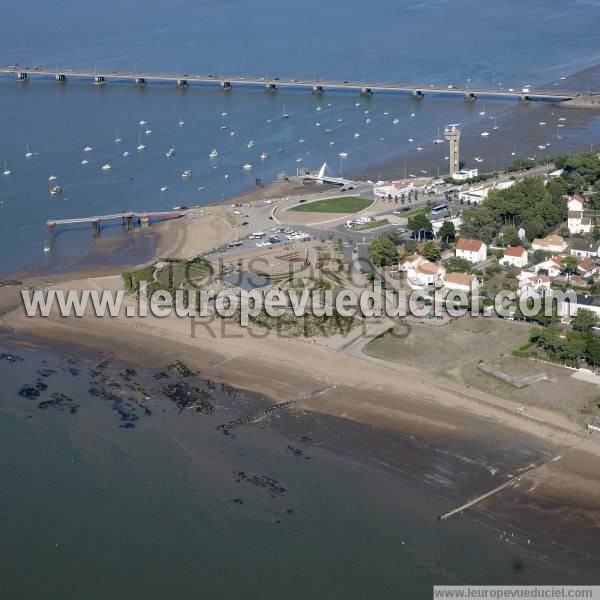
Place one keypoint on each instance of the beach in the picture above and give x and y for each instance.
(397, 401)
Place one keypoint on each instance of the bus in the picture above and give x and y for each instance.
(440, 209)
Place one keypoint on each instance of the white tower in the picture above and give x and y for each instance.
(452, 134)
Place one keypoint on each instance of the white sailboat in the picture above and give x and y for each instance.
(251, 144)
(52, 178)
(106, 167)
(55, 190)
(140, 146)
(171, 152)
(88, 149)
(482, 112)
(181, 122)
(284, 115)
(264, 156)
(7, 171)
(28, 152)
(117, 140)
(47, 247)
(213, 153)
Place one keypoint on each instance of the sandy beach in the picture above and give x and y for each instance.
(384, 395)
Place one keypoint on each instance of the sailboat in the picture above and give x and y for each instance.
(88, 149)
(117, 140)
(514, 152)
(7, 171)
(438, 140)
(140, 146)
(250, 143)
(482, 112)
(284, 115)
(213, 153)
(46, 247)
(28, 152)
(55, 190)
(495, 127)
(181, 122)
(171, 152)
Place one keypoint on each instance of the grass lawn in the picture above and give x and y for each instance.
(344, 204)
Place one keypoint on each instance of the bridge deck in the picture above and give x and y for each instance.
(551, 94)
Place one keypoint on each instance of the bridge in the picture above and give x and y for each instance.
(127, 218)
(22, 74)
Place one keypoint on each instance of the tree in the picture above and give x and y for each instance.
(431, 251)
(569, 265)
(573, 347)
(458, 265)
(383, 252)
(447, 232)
(584, 320)
(510, 237)
(534, 228)
(478, 224)
(419, 223)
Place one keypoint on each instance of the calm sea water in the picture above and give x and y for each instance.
(509, 43)
(92, 509)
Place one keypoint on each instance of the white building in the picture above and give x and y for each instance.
(395, 189)
(575, 203)
(534, 285)
(553, 266)
(476, 195)
(437, 224)
(463, 282)
(425, 275)
(584, 248)
(475, 251)
(577, 223)
(514, 256)
(553, 243)
(465, 174)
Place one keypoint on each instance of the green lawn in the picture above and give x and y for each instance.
(343, 204)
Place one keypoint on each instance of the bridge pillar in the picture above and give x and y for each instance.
(270, 87)
(60, 77)
(524, 99)
(140, 81)
(95, 227)
(22, 76)
(182, 83)
(226, 85)
(470, 97)
(418, 94)
(366, 91)
(99, 80)
(317, 89)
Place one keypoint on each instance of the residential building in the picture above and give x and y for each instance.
(584, 248)
(463, 282)
(586, 301)
(587, 268)
(514, 256)
(553, 243)
(475, 251)
(437, 224)
(577, 223)
(411, 262)
(552, 266)
(425, 274)
(533, 285)
(575, 203)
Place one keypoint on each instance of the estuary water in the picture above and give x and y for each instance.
(110, 490)
(507, 43)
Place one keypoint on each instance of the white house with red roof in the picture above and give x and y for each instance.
(533, 285)
(475, 251)
(553, 243)
(514, 256)
(552, 266)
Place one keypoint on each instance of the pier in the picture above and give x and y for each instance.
(479, 499)
(273, 84)
(127, 218)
